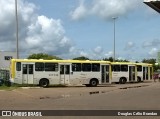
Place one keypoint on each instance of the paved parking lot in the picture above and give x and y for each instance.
(136, 96)
(26, 98)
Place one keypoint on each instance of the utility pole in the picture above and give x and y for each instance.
(17, 44)
(114, 41)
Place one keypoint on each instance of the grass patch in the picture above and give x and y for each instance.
(25, 85)
(35, 85)
(7, 88)
(16, 86)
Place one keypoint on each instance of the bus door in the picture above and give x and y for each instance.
(150, 73)
(145, 73)
(131, 73)
(64, 73)
(105, 73)
(27, 73)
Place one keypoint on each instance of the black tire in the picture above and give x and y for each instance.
(44, 83)
(138, 79)
(93, 83)
(122, 80)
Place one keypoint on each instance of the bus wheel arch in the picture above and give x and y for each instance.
(44, 82)
(122, 80)
(93, 82)
(138, 79)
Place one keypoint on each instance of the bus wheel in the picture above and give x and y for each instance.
(138, 79)
(122, 80)
(93, 82)
(44, 83)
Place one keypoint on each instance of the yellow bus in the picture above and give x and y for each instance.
(123, 72)
(144, 71)
(66, 72)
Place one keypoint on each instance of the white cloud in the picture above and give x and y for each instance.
(153, 52)
(109, 54)
(37, 33)
(98, 50)
(47, 35)
(82, 53)
(129, 45)
(80, 12)
(153, 43)
(96, 53)
(110, 8)
(106, 9)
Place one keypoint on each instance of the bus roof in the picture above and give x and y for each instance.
(127, 63)
(144, 64)
(60, 61)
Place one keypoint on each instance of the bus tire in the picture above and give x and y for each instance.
(93, 82)
(138, 79)
(122, 80)
(44, 83)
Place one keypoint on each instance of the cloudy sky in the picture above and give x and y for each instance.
(72, 28)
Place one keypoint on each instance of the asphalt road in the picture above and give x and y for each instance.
(142, 96)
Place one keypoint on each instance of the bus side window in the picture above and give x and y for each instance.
(124, 68)
(139, 68)
(39, 66)
(86, 67)
(96, 67)
(18, 66)
(76, 67)
(116, 68)
(51, 66)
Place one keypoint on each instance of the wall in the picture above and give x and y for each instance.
(5, 57)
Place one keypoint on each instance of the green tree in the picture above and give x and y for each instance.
(152, 61)
(108, 59)
(81, 58)
(117, 60)
(43, 56)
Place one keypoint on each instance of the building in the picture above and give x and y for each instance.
(5, 57)
(154, 4)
